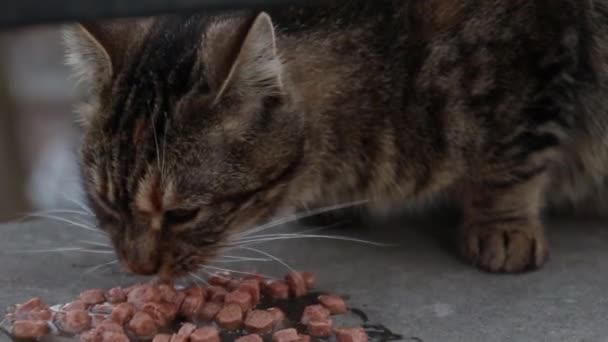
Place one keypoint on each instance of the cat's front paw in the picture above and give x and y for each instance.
(504, 247)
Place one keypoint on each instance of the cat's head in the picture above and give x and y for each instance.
(189, 134)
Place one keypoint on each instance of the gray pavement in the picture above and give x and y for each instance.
(418, 289)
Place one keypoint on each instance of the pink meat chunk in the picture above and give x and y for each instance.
(116, 295)
(180, 338)
(277, 290)
(112, 336)
(76, 305)
(314, 313)
(242, 298)
(278, 315)
(187, 329)
(74, 321)
(143, 294)
(123, 313)
(162, 338)
(259, 321)
(296, 283)
(253, 288)
(167, 293)
(143, 325)
(250, 338)
(24, 311)
(335, 304)
(322, 328)
(92, 297)
(220, 279)
(216, 293)
(30, 329)
(285, 335)
(230, 317)
(351, 335)
(206, 334)
(309, 279)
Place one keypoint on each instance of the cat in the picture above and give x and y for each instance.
(199, 126)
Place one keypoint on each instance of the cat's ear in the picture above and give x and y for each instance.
(96, 51)
(257, 68)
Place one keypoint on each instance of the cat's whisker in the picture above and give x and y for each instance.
(303, 232)
(95, 268)
(241, 258)
(93, 243)
(162, 172)
(58, 211)
(156, 145)
(67, 249)
(62, 219)
(235, 271)
(301, 216)
(278, 237)
(80, 204)
(280, 261)
(195, 277)
(239, 261)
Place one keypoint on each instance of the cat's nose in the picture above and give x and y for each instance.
(143, 268)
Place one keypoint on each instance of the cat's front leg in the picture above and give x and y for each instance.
(502, 230)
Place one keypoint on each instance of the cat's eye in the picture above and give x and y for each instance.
(180, 216)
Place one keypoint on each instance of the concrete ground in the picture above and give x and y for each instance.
(418, 289)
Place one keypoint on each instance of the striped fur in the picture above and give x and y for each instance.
(209, 124)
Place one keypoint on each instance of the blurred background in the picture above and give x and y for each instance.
(38, 133)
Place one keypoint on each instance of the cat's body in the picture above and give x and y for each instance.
(203, 125)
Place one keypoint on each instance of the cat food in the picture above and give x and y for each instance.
(250, 338)
(30, 329)
(351, 335)
(76, 305)
(123, 313)
(106, 331)
(111, 336)
(104, 309)
(92, 297)
(74, 321)
(180, 338)
(163, 314)
(209, 311)
(251, 286)
(191, 305)
(309, 279)
(230, 317)
(143, 325)
(277, 290)
(149, 311)
(206, 334)
(220, 279)
(187, 329)
(335, 304)
(285, 335)
(142, 294)
(97, 319)
(296, 283)
(168, 293)
(278, 315)
(243, 299)
(23, 311)
(162, 338)
(314, 313)
(116, 295)
(320, 328)
(216, 293)
(259, 321)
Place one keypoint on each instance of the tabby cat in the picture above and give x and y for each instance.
(199, 126)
